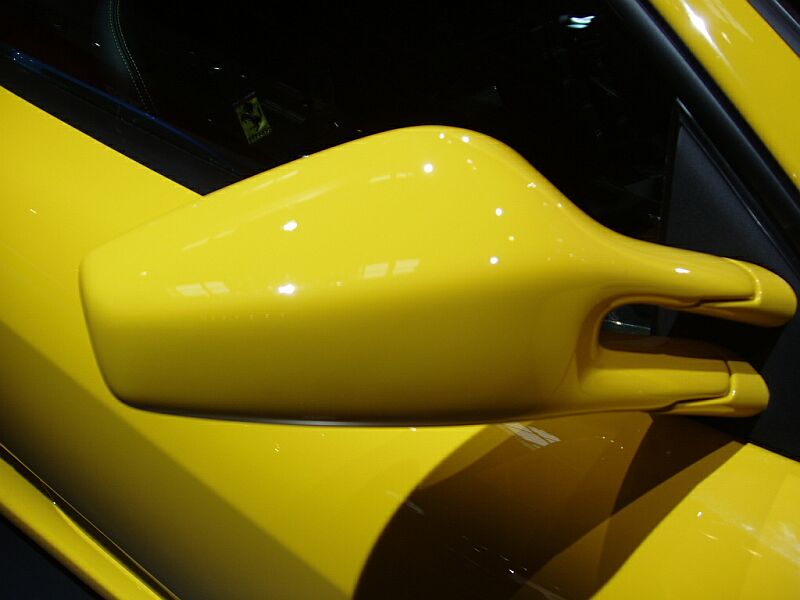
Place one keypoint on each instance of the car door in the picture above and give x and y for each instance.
(564, 507)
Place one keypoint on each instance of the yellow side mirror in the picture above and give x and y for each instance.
(424, 275)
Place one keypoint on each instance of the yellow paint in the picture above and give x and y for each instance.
(41, 519)
(392, 293)
(755, 68)
(237, 509)
(250, 509)
(735, 535)
(620, 505)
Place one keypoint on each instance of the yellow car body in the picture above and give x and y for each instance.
(141, 504)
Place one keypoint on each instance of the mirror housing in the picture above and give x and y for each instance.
(421, 276)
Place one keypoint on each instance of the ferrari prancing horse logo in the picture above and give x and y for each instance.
(252, 119)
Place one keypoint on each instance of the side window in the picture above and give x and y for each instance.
(251, 88)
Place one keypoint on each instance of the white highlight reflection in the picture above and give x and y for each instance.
(408, 265)
(702, 28)
(376, 270)
(537, 437)
(287, 289)
(290, 226)
(216, 287)
(191, 290)
(700, 25)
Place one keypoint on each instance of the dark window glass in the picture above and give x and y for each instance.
(250, 87)
(27, 571)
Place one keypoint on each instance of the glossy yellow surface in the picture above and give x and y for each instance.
(252, 510)
(619, 505)
(755, 68)
(735, 535)
(40, 518)
(209, 508)
(409, 277)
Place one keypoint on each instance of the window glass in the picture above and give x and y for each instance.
(255, 88)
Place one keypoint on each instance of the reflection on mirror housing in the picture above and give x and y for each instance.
(424, 275)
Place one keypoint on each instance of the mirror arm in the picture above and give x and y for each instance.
(671, 375)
